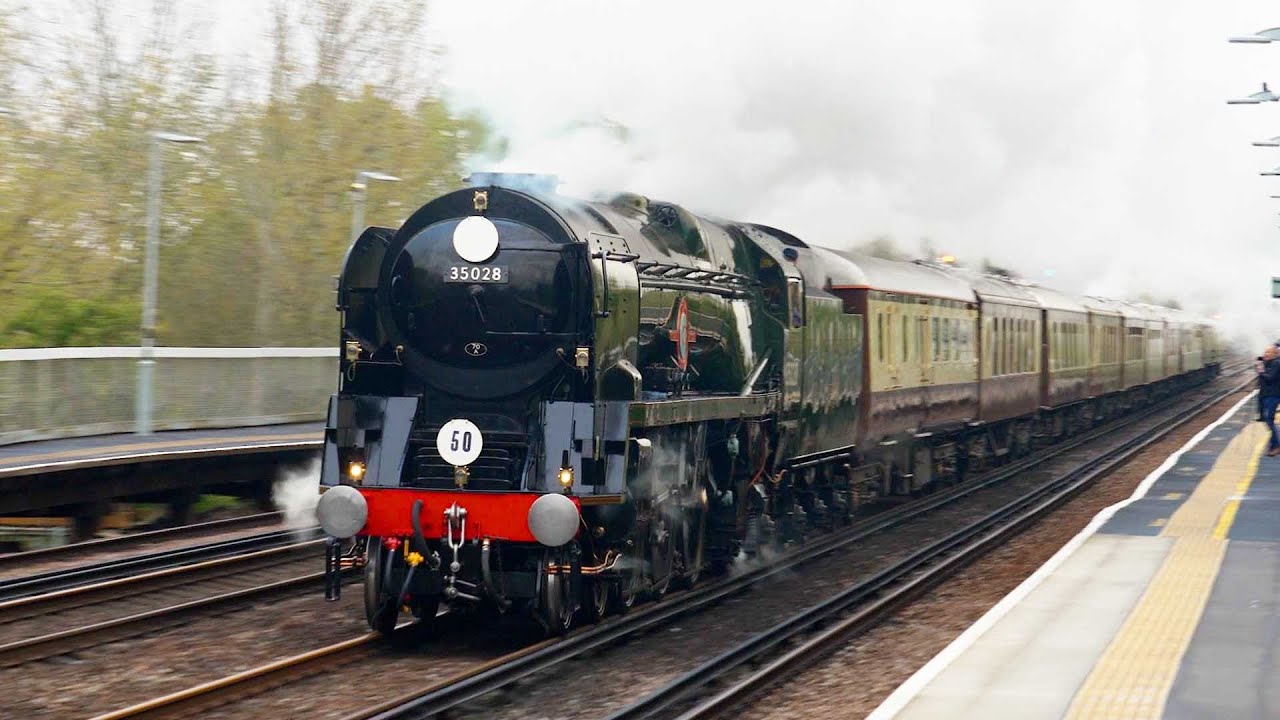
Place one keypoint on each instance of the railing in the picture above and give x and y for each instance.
(68, 392)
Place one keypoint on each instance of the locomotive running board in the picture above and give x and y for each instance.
(691, 410)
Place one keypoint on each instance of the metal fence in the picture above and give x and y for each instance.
(66, 392)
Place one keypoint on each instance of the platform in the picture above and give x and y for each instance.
(112, 449)
(51, 473)
(1166, 606)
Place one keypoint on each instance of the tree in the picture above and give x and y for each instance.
(255, 221)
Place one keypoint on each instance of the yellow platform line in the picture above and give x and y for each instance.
(1133, 677)
(1228, 516)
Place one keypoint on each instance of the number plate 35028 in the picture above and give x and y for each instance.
(476, 274)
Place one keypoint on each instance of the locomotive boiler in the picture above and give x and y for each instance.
(556, 407)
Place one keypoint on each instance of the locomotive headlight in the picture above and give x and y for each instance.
(342, 511)
(352, 350)
(553, 519)
(565, 476)
(355, 471)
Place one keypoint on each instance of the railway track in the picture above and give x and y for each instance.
(42, 625)
(748, 668)
(126, 568)
(77, 551)
(489, 674)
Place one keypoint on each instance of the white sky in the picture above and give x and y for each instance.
(1088, 139)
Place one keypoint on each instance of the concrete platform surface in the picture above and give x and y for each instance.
(1166, 606)
(111, 449)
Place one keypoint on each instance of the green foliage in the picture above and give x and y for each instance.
(255, 221)
(51, 317)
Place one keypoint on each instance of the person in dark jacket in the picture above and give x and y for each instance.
(1269, 389)
(1257, 367)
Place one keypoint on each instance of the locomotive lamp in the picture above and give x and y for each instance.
(352, 350)
(582, 358)
(355, 471)
(461, 475)
(565, 476)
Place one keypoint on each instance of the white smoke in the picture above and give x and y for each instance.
(1086, 145)
(296, 493)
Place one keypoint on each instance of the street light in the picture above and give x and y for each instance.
(1273, 142)
(359, 189)
(1261, 37)
(1265, 95)
(150, 276)
(1272, 172)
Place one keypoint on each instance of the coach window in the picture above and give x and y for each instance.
(1003, 343)
(1024, 348)
(997, 348)
(1016, 365)
(905, 339)
(880, 336)
(1025, 351)
(1012, 362)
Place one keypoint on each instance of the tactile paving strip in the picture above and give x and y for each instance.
(1133, 677)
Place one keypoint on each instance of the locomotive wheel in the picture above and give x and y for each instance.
(693, 546)
(663, 547)
(596, 601)
(379, 608)
(557, 603)
(624, 593)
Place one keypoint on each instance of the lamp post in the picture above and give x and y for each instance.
(359, 189)
(144, 402)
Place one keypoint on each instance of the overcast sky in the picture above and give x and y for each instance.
(1088, 140)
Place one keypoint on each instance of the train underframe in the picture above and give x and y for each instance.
(713, 496)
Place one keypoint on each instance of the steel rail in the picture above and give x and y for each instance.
(459, 690)
(43, 604)
(886, 591)
(193, 700)
(139, 538)
(64, 579)
(86, 636)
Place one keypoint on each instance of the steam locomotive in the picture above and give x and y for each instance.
(557, 407)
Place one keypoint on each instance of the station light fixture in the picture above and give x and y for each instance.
(1262, 37)
(1263, 95)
